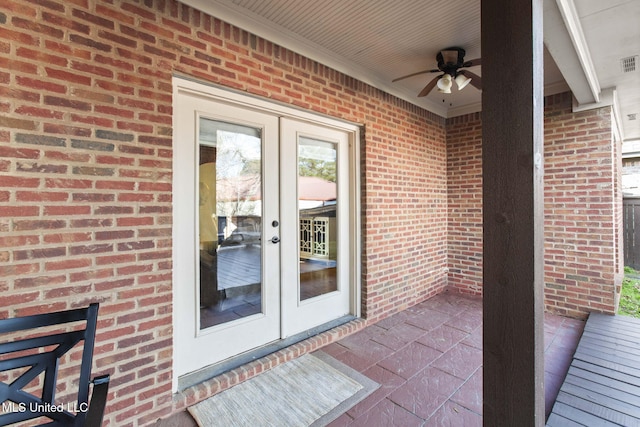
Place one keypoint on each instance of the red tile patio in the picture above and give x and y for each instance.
(428, 362)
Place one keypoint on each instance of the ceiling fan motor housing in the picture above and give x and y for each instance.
(450, 59)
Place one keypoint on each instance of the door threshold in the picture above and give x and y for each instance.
(211, 371)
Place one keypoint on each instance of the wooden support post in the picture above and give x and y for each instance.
(512, 146)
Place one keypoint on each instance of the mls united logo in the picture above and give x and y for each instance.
(72, 407)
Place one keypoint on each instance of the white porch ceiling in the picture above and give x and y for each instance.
(379, 40)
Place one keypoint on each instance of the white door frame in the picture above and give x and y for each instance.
(182, 85)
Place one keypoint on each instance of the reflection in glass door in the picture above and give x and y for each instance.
(317, 205)
(230, 221)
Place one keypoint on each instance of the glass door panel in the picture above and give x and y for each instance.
(314, 176)
(230, 221)
(317, 207)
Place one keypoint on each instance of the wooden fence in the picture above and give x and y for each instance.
(631, 224)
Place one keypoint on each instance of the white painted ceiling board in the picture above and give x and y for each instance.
(379, 40)
(612, 30)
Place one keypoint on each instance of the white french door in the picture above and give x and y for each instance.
(315, 224)
(265, 225)
(226, 270)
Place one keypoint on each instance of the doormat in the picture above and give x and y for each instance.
(312, 390)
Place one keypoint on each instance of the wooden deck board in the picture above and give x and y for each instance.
(598, 409)
(568, 412)
(632, 373)
(602, 386)
(627, 340)
(622, 355)
(556, 420)
(603, 371)
(610, 342)
(611, 382)
(630, 399)
(599, 398)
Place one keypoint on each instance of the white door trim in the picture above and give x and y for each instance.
(261, 104)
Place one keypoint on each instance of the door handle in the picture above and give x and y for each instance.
(275, 239)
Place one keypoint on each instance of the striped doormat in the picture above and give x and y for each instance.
(312, 390)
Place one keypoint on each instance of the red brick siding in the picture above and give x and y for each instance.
(85, 167)
(464, 183)
(404, 213)
(582, 208)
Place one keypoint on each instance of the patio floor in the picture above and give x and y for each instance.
(428, 361)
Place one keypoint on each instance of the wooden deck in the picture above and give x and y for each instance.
(602, 387)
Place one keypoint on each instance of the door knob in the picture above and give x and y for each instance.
(275, 239)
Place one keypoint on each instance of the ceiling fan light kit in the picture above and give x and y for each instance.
(444, 84)
(462, 81)
(450, 62)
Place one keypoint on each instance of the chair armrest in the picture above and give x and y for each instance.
(98, 401)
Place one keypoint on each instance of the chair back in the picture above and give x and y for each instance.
(34, 355)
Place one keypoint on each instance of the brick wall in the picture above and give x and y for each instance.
(464, 184)
(582, 246)
(85, 167)
(582, 209)
(404, 213)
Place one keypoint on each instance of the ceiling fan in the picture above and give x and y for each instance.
(450, 62)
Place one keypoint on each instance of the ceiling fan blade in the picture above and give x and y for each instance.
(476, 80)
(416, 74)
(473, 62)
(428, 87)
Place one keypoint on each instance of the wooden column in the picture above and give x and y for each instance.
(512, 144)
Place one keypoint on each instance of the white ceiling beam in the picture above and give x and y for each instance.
(572, 22)
(560, 45)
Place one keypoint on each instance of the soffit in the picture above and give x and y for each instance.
(378, 40)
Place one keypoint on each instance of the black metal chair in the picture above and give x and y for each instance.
(33, 355)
